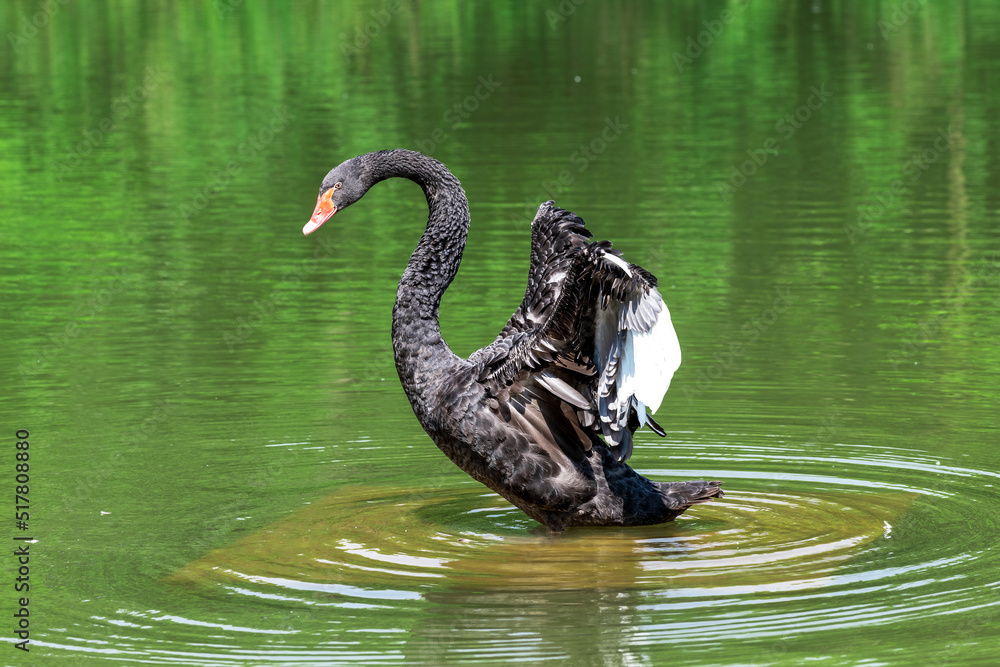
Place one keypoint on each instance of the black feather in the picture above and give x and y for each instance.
(526, 414)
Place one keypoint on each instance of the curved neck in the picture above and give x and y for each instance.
(421, 353)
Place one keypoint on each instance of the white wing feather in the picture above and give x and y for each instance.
(648, 363)
(636, 354)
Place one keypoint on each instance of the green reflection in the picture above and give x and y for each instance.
(194, 370)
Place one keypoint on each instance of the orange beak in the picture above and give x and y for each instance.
(325, 209)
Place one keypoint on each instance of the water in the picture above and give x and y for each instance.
(224, 469)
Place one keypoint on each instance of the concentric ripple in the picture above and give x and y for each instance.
(802, 544)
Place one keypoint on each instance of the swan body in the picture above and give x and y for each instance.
(589, 349)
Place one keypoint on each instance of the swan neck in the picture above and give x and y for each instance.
(421, 352)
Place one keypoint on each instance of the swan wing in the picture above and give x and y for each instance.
(593, 333)
(555, 235)
(636, 350)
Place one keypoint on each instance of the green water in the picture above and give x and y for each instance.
(223, 467)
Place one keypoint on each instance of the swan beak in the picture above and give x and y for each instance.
(325, 209)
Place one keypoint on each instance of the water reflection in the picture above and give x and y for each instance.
(198, 376)
(820, 550)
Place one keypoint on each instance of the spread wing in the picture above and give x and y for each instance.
(589, 348)
(555, 235)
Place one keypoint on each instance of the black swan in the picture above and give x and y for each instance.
(589, 348)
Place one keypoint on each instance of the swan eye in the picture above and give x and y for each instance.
(337, 186)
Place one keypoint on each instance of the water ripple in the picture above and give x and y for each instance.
(803, 542)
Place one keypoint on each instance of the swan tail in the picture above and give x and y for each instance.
(654, 427)
(681, 495)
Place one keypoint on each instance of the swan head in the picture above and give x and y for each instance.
(343, 186)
